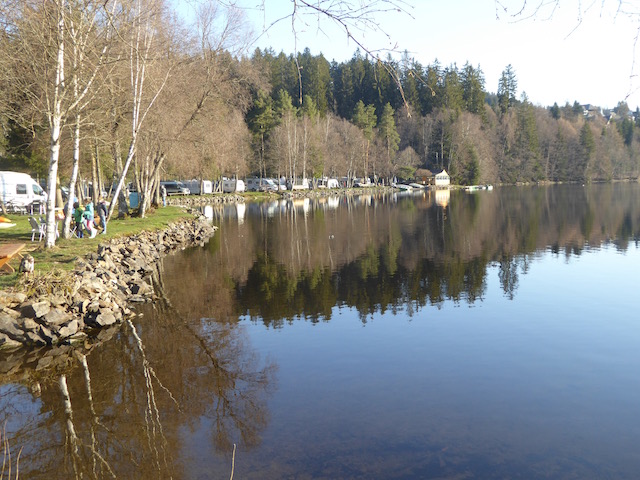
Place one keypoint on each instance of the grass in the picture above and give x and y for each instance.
(66, 251)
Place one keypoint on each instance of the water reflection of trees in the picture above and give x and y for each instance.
(384, 252)
(120, 409)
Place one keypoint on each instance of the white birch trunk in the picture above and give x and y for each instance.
(55, 122)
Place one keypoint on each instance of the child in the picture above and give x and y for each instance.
(77, 218)
(88, 218)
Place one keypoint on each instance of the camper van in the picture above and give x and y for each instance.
(20, 190)
(231, 185)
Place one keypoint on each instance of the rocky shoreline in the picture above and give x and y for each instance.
(98, 293)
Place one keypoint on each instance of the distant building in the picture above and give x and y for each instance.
(592, 111)
(423, 176)
(442, 180)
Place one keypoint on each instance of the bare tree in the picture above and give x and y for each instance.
(45, 45)
(198, 106)
(142, 56)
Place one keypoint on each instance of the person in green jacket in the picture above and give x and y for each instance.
(77, 218)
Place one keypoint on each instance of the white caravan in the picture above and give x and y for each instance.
(231, 185)
(194, 187)
(20, 190)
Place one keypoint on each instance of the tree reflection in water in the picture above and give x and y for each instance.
(379, 252)
(185, 372)
(121, 409)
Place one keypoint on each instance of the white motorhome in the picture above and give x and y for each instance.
(231, 185)
(20, 190)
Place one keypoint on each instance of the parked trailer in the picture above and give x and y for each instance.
(197, 187)
(232, 185)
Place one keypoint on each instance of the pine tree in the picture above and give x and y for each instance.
(507, 89)
(453, 92)
(388, 132)
(364, 117)
(261, 120)
(473, 89)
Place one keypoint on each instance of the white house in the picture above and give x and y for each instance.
(442, 179)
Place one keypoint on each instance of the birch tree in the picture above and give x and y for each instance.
(90, 38)
(38, 64)
(141, 36)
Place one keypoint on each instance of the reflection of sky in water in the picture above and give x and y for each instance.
(544, 384)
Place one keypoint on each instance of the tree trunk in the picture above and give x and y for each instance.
(56, 128)
(66, 230)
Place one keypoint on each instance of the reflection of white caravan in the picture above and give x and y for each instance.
(240, 209)
(20, 189)
(231, 185)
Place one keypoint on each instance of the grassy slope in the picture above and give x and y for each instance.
(65, 252)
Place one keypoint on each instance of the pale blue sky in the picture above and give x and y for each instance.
(554, 61)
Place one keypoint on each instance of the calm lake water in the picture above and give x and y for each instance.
(486, 335)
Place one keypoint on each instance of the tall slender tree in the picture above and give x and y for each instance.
(507, 89)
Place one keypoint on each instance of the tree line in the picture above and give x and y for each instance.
(121, 91)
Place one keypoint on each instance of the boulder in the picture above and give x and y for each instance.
(8, 343)
(57, 316)
(10, 327)
(69, 329)
(35, 309)
(101, 320)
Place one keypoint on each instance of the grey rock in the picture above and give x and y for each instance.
(34, 339)
(69, 329)
(29, 325)
(9, 326)
(103, 319)
(35, 309)
(57, 316)
(8, 343)
(10, 312)
(47, 335)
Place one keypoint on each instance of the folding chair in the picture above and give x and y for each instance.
(37, 227)
(74, 230)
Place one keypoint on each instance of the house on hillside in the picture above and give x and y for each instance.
(592, 111)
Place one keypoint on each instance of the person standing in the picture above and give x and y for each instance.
(88, 218)
(102, 214)
(77, 218)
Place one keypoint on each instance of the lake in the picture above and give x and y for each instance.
(491, 334)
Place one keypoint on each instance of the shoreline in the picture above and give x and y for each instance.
(61, 308)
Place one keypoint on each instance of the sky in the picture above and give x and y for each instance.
(582, 51)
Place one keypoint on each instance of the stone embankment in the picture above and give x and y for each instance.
(98, 293)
